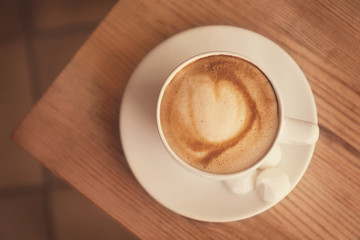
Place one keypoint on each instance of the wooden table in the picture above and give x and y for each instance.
(73, 129)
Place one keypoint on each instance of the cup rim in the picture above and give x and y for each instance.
(219, 176)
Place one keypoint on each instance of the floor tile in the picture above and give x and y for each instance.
(9, 18)
(22, 218)
(54, 181)
(53, 52)
(17, 168)
(59, 13)
(75, 217)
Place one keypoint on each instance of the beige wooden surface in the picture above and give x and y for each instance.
(73, 129)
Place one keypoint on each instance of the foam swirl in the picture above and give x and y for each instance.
(210, 114)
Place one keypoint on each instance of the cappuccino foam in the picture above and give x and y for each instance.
(219, 114)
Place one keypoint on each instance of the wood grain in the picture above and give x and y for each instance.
(73, 129)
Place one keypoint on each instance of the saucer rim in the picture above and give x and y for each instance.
(123, 139)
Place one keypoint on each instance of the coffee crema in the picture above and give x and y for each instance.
(219, 114)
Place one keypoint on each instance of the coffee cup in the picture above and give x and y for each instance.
(221, 117)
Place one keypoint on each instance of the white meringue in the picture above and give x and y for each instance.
(243, 184)
(272, 184)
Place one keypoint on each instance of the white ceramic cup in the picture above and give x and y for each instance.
(291, 131)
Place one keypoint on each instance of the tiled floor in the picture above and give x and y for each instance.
(37, 39)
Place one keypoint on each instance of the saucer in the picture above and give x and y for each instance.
(161, 176)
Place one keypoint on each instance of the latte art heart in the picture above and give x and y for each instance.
(217, 111)
(219, 114)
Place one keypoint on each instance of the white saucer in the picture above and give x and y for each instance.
(161, 176)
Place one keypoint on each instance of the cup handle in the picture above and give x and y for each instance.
(294, 131)
(297, 131)
(243, 184)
